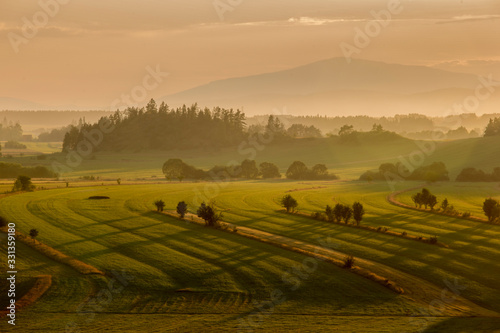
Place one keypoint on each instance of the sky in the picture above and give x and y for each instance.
(86, 54)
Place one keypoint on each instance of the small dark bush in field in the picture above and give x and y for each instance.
(385, 229)
(379, 228)
(318, 216)
(404, 233)
(160, 204)
(420, 238)
(466, 214)
(433, 240)
(348, 261)
(33, 233)
(98, 197)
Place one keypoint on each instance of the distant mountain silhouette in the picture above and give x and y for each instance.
(334, 87)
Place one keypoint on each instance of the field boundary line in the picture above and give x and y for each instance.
(56, 255)
(391, 198)
(370, 228)
(298, 247)
(42, 284)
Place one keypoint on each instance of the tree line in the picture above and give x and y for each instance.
(13, 170)
(436, 171)
(176, 169)
(476, 175)
(491, 207)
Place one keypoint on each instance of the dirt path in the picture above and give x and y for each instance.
(429, 295)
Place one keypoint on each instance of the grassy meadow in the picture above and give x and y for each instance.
(178, 268)
(185, 277)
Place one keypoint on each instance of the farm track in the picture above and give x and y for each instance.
(414, 288)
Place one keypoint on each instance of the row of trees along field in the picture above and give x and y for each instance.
(491, 207)
(434, 172)
(179, 170)
(338, 213)
(13, 170)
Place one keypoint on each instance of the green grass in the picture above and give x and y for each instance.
(225, 272)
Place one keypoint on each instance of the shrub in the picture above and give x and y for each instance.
(33, 233)
(433, 240)
(404, 233)
(318, 216)
(379, 228)
(466, 214)
(348, 261)
(160, 205)
(209, 214)
(98, 197)
(14, 145)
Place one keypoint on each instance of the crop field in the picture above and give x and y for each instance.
(186, 277)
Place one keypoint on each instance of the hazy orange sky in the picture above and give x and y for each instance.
(90, 52)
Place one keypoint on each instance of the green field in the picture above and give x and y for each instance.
(191, 278)
(348, 161)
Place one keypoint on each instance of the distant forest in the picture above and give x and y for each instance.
(412, 126)
(154, 127)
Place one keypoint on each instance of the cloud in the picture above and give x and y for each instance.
(468, 18)
(301, 21)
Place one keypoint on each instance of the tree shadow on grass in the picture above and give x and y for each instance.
(465, 325)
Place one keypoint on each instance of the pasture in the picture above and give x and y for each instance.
(186, 277)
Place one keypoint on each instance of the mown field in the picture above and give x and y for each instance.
(185, 277)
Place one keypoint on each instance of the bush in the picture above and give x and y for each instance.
(433, 240)
(318, 216)
(160, 204)
(209, 214)
(14, 145)
(404, 233)
(348, 261)
(466, 214)
(99, 197)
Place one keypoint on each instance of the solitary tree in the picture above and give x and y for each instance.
(289, 203)
(33, 233)
(182, 209)
(160, 204)
(209, 214)
(23, 183)
(491, 209)
(358, 212)
(119, 181)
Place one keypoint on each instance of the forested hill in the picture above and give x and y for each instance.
(160, 127)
